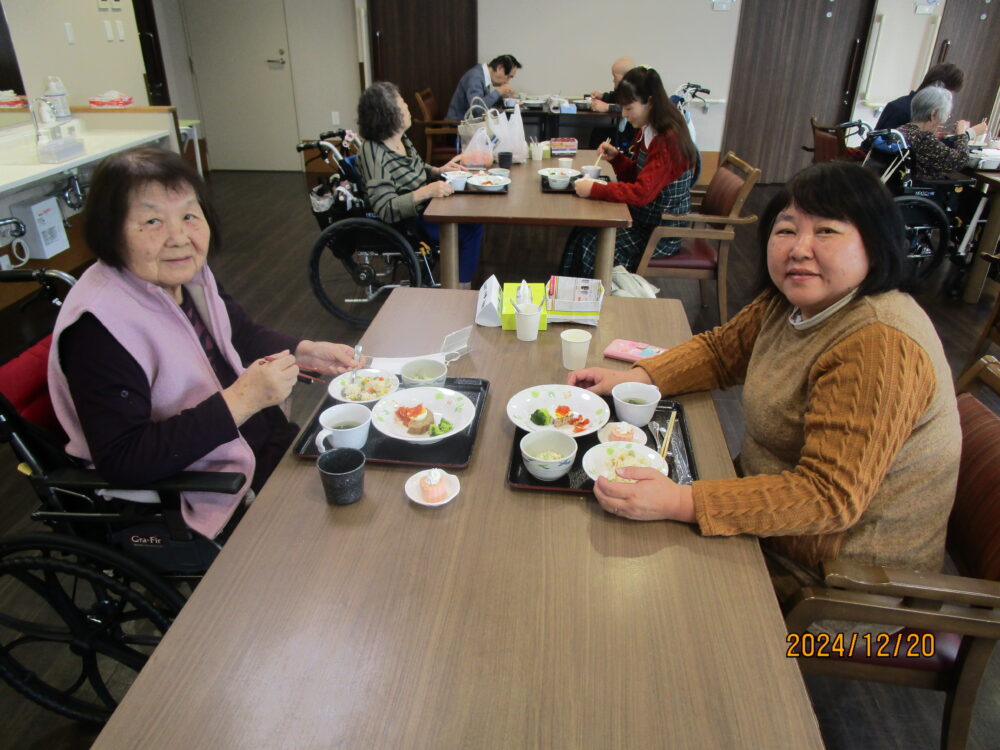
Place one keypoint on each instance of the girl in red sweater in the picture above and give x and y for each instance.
(653, 178)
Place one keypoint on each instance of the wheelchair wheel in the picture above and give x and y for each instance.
(354, 265)
(80, 622)
(928, 233)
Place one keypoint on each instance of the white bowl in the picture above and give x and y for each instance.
(499, 172)
(423, 372)
(548, 469)
(638, 434)
(444, 402)
(341, 382)
(412, 488)
(559, 183)
(598, 460)
(636, 414)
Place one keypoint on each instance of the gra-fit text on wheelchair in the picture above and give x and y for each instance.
(944, 218)
(82, 606)
(357, 260)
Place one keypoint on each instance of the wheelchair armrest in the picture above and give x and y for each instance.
(953, 179)
(226, 482)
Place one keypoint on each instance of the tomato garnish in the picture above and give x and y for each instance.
(562, 411)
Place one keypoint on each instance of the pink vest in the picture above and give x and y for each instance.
(151, 326)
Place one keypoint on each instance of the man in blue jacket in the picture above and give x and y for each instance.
(489, 81)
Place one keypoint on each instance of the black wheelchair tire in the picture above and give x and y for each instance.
(333, 247)
(922, 218)
(78, 600)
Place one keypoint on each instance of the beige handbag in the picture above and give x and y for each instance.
(476, 116)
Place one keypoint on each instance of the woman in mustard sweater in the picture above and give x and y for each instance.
(852, 435)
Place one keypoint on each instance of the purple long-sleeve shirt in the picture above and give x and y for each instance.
(112, 399)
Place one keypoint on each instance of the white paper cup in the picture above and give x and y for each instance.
(591, 171)
(537, 150)
(565, 162)
(575, 345)
(350, 437)
(527, 325)
(635, 414)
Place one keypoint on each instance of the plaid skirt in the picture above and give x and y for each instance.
(630, 242)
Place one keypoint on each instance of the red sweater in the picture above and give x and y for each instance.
(664, 164)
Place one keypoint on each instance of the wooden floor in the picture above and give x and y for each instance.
(268, 231)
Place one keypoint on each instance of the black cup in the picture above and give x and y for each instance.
(342, 471)
(505, 159)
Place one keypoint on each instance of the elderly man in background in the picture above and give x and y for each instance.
(621, 133)
(489, 81)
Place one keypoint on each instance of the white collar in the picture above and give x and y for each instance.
(796, 321)
(648, 134)
(486, 75)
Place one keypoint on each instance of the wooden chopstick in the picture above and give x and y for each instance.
(670, 431)
(598, 160)
(303, 375)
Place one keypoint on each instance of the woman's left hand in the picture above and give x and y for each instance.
(653, 497)
(583, 187)
(325, 357)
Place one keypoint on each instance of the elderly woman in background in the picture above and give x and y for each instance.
(852, 435)
(154, 369)
(398, 182)
(933, 157)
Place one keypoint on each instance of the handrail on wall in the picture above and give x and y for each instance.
(880, 20)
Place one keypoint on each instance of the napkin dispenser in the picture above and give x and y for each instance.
(508, 316)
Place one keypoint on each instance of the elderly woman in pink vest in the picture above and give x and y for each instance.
(154, 368)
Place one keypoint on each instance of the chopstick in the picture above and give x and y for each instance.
(303, 374)
(664, 448)
(597, 162)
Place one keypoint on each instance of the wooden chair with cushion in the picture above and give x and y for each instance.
(989, 334)
(829, 143)
(704, 253)
(954, 619)
(440, 134)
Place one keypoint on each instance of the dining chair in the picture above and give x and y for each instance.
(704, 253)
(440, 134)
(829, 143)
(989, 334)
(954, 619)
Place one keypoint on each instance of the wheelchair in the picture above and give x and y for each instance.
(943, 218)
(357, 259)
(83, 605)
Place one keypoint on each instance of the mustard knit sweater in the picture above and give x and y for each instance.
(852, 434)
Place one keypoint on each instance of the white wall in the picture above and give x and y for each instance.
(173, 46)
(90, 66)
(323, 48)
(685, 40)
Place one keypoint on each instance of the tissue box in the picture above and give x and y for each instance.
(508, 321)
(563, 146)
(573, 300)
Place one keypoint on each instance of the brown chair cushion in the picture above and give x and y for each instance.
(720, 196)
(946, 647)
(827, 147)
(694, 254)
(974, 526)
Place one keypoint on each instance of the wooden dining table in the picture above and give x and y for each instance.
(504, 619)
(525, 203)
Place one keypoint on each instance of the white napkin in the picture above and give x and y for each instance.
(488, 304)
(454, 346)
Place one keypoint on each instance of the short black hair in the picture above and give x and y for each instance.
(947, 74)
(846, 192)
(113, 186)
(507, 62)
(643, 84)
(379, 117)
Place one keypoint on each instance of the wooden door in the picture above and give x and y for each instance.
(242, 69)
(794, 59)
(152, 56)
(969, 37)
(420, 45)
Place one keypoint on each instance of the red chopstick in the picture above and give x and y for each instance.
(304, 375)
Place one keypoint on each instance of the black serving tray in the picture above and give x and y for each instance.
(450, 453)
(681, 463)
(546, 188)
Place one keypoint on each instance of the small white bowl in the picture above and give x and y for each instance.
(548, 470)
(638, 434)
(412, 488)
(635, 414)
(423, 372)
(499, 172)
(558, 183)
(599, 459)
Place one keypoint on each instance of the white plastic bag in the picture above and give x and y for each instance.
(479, 152)
(518, 143)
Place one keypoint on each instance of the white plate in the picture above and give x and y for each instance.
(496, 182)
(638, 434)
(337, 385)
(532, 102)
(597, 461)
(412, 488)
(592, 406)
(444, 402)
(559, 172)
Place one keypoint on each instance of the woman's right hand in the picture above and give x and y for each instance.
(608, 151)
(266, 382)
(601, 380)
(961, 126)
(435, 189)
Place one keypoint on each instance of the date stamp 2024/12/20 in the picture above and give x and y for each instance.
(868, 645)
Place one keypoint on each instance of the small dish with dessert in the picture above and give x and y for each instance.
(432, 487)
